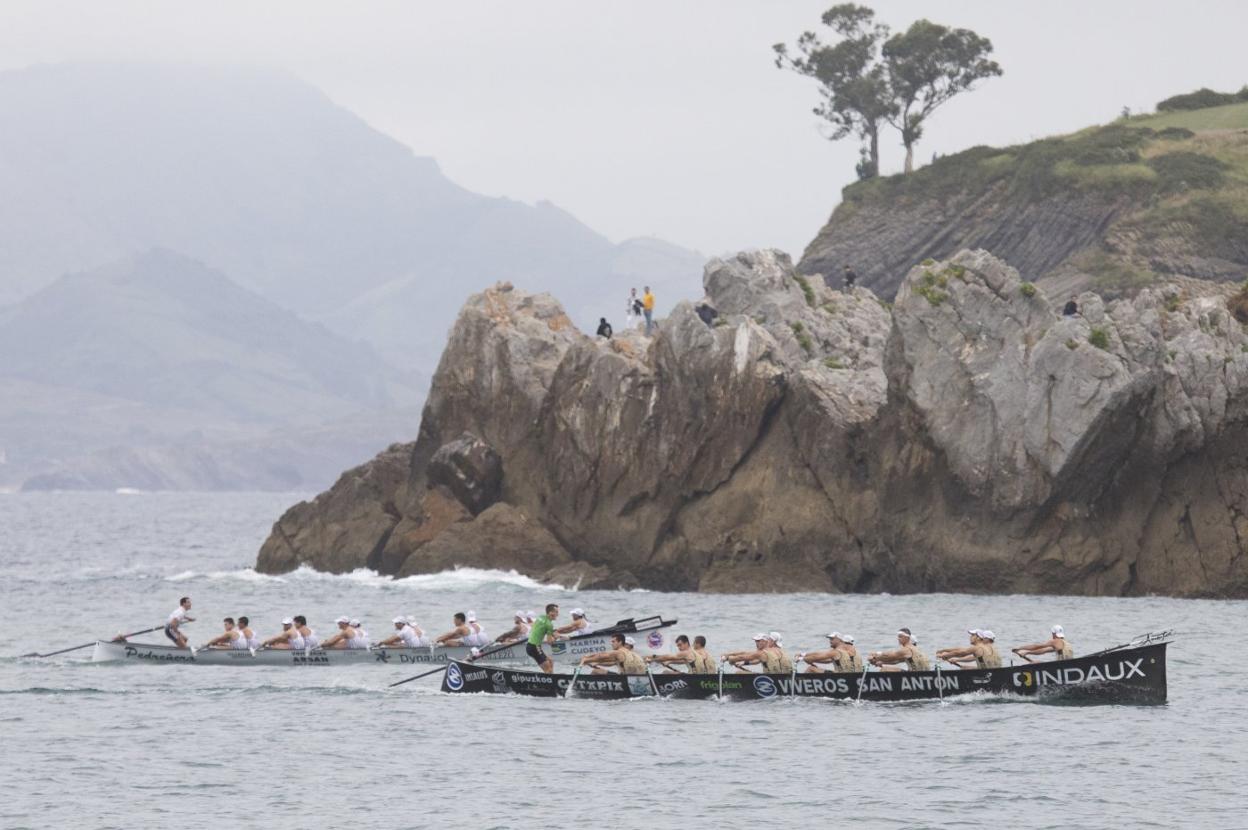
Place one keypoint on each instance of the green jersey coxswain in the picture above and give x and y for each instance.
(543, 631)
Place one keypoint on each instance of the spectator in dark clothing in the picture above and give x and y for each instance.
(850, 277)
(604, 328)
(706, 313)
(1071, 309)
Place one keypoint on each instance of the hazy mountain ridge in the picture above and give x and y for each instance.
(261, 176)
(135, 374)
(169, 236)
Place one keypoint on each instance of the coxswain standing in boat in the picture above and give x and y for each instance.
(345, 637)
(310, 640)
(980, 654)
(230, 638)
(908, 654)
(542, 631)
(176, 620)
(620, 655)
(290, 638)
(1055, 645)
(518, 631)
(840, 655)
(578, 626)
(244, 627)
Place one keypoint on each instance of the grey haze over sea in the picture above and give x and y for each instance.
(107, 746)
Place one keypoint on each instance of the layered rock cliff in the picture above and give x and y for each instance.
(1114, 209)
(967, 438)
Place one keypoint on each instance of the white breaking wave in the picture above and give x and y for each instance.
(459, 579)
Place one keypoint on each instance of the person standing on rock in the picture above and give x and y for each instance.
(633, 312)
(543, 631)
(851, 279)
(647, 308)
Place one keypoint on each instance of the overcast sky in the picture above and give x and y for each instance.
(653, 117)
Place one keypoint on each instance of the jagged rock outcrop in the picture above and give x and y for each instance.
(970, 438)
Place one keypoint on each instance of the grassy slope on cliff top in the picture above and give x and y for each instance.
(1188, 167)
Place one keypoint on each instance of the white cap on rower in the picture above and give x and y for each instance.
(472, 616)
(629, 641)
(985, 634)
(355, 623)
(287, 621)
(520, 615)
(578, 612)
(836, 635)
(1058, 631)
(774, 637)
(530, 616)
(758, 638)
(973, 631)
(400, 620)
(847, 638)
(901, 632)
(342, 620)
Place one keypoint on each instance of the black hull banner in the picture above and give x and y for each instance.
(1128, 675)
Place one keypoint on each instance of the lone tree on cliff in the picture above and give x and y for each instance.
(869, 77)
(928, 64)
(852, 80)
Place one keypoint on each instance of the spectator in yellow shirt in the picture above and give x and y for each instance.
(647, 308)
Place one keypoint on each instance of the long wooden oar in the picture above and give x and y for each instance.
(93, 642)
(488, 651)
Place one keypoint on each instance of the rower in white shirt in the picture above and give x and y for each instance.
(244, 628)
(230, 638)
(363, 635)
(578, 626)
(177, 619)
(518, 632)
(405, 634)
(310, 640)
(290, 638)
(344, 637)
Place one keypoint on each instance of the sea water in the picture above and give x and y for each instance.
(139, 746)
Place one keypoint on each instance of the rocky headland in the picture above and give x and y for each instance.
(966, 437)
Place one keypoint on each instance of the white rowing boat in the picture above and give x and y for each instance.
(650, 638)
(111, 652)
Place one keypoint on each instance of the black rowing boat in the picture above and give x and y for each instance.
(1126, 675)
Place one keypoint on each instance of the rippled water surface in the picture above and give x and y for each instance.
(89, 746)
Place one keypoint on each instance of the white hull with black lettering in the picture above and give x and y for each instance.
(649, 634)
